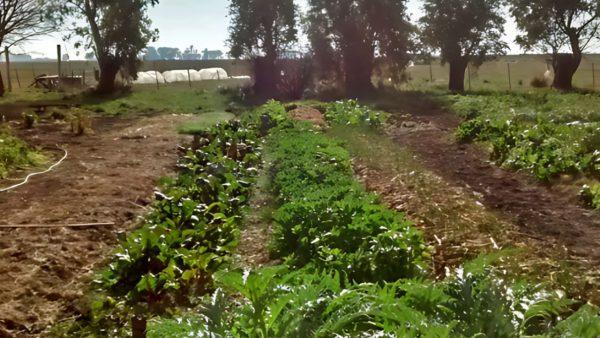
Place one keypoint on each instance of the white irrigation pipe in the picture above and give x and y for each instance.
(39, 173)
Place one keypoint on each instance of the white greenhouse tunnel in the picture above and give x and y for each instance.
(183, 75)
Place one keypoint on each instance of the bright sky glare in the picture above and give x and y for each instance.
(202, 23)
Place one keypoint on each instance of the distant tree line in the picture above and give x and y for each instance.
(190, 53)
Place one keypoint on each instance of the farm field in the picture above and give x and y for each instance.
(299, 168)
(397, 188)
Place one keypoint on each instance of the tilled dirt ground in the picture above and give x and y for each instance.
(108, 176)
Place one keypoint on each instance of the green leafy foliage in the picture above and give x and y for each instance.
(327, 219)
(351, 112)
(547, 135)
(15, 153)
(277, 302)
(349, 263)
(192, 229)
(591, 195)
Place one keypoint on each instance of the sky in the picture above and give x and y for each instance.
(202, 23)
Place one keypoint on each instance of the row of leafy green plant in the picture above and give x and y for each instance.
(327, 219)
(15, 153)
(548, 134)
(190, 234)
(353, 268)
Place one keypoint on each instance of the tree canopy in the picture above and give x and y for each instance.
(21, 20)
(117, 31)
(348, 34)
(463, 31)
(169, 53)
(261, 27)
(261, 30)
(556, 26)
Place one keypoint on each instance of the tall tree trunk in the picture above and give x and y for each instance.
(358, 69)
(2, 89)
(457, 75)
(266, 77)
(139, 326)
(108, 75)
(565, 66)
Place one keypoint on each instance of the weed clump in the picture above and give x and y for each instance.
(14, 153)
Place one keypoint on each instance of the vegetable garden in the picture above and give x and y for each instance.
(345, 264)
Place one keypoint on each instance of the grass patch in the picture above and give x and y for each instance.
(174, 98)
(31, 95)
(14, 153)
(204, 121)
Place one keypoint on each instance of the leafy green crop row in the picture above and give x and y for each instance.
(355, 269)
(327, 219)
(545, 134)
(189, 235)
(278, 302)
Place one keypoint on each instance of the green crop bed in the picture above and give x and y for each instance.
(548, 134)
(353, 268)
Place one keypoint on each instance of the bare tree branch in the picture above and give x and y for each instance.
(21, 20)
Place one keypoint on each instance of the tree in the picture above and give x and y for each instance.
(354, 32)
(117, 31)
(463, 32)
(21, 20)
(169, 53)
(555, 26)
(261, 30)
(90, 56)
(191, 53)
(151, 54)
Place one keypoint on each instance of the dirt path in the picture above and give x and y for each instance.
(539, 211)
(107, 177)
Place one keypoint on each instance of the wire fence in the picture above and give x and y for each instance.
(505, 73)
(22, 75)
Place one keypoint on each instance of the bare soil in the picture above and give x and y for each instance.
(109, 176)
(308, 114)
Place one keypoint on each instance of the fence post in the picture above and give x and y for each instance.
(189, 78)
(59, 63)
(509, 79)
(593, 76)
(469, 74)
(18, 80)
(430, 72)
(6, 53)
(83, 77)
(156, 76)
